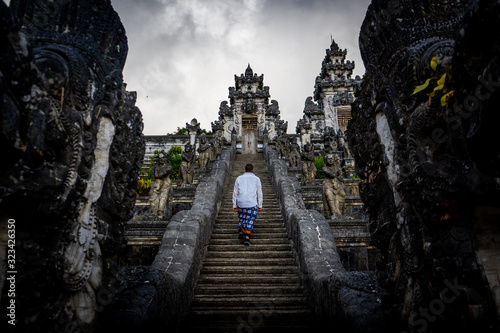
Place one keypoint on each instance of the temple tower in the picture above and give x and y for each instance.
(333, 95)
(334, 89)
(249, 116)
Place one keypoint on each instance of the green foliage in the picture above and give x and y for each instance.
(318, 163)
(180, 131)
(175, 150)
(441, 84)
(175, 160)
(205, 132)
(184, 131)
(143, 187)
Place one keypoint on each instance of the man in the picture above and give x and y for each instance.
(247, 201)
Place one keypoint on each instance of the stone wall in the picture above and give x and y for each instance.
(348, 300)
(429, 161)
(160, 294)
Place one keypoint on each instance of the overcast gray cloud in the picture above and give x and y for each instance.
(183, 54)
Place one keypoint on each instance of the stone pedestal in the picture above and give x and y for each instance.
(354, 244)
(313, 196)
(143, 239)
(349, 167)
(182, 197)
(144, 232)
(295, 173)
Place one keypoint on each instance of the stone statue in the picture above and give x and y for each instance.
(265, 137)
(193, 129)
(343, 146)
(273, 109)
(161, 185)
(187, 165)
(72, 140)
(293, 153)
(219, 143)
(308, 167)
(205, 152)
(224, 109)
(422, 158)
(234, 137)
(330, 141)
(333, 186)
(282, 146)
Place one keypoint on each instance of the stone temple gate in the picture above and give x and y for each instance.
(249, 115)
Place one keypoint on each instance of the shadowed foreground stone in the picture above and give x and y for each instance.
(71, 143)
(430, 166)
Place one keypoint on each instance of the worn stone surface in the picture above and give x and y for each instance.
(71, 141)
(348, 299)
(430, 173)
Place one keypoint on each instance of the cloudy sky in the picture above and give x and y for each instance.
(183, 54)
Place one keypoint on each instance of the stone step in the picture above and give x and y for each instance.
(236, 280)
(228, 211)
(255, 280)
(261, 223)
(256, 230)
(255, 236)
(296, 301)
(243, 253)
(242, 310)
(248, 262)
(253, 248)
(277, 269)
(268, 319)
(255, 241)
(226, 290)
(265, 219)
(145, 232)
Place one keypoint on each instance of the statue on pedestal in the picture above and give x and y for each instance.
(293, 154)
(333, 186)
(219, 143)
(234, 137)
(343, 148)
(187, 165)
(161, 184)
(308, 167)
(205, 151)
(330, 140)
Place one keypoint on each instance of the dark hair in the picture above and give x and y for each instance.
(248, 168)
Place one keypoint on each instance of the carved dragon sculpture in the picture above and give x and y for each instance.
(426, 175)
(71, 140)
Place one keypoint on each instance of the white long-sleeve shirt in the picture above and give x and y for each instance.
(247, 191)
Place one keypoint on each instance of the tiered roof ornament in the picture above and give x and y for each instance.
(249, 107)
(333, 95)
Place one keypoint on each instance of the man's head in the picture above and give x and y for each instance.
(249, 168)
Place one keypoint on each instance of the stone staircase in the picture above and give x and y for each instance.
(249, 288)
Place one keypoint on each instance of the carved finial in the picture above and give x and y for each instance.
(249, 71)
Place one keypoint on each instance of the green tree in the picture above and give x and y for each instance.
(175, 160)
(184, 131)
(318, 163)
(180, 131)
(144, 184)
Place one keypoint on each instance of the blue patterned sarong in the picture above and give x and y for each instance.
(246, 219)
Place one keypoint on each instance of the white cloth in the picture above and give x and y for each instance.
(247, 191)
